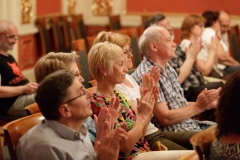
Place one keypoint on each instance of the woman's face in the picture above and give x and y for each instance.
(128, 55)
(119, 71)
(197, 30)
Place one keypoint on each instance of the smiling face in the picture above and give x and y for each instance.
(9, 38)
(78, 101)
(119, 71)
(128, 55)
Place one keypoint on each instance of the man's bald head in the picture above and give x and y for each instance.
(224, 20)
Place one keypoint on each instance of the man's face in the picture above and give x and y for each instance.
(166, 45)
(224, 20)
(9, 38)
(79, 101)
(165, 23)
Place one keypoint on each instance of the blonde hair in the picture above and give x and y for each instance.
(103, 53)
(115, 38)
(52, 62)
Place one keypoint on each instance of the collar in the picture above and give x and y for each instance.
(66, 132)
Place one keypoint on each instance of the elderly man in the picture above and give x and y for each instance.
(16, 92)
(224, 21)
(62, 134)
(183, 63)
(172, 112)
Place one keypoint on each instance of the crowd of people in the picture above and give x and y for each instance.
(146, 115)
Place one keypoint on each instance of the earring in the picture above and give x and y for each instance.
(105, 74)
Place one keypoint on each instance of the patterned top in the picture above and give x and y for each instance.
(127, 116)
(222, 151)
(91, 128)
(194, 79)
(170, 92)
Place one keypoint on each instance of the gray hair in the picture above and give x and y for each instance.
(4, 25)
(151, 34)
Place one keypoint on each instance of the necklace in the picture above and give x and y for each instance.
(104, 94)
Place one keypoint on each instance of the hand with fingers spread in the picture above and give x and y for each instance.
(111, 143)
(147, 103)
(114, 110)
(155, 74)
(207, 97)
(194, 49)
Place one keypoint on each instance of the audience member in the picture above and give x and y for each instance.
(131, 91)
(227, 143)
(191, 31)
(224, 21)
(172, 112)
(106, 64)
(65, 104)
(16, 92)
(225, 61)
(183, 63)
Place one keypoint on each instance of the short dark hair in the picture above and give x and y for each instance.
(52, 92)
(210, 17)
(153, 19)
(227, 114)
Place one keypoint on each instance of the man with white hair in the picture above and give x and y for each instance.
(172, 112)
(16, 92)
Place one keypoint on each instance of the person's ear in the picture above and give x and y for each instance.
(65, 110)
(102, 69)
(153, 46)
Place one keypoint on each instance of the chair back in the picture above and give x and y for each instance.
(14, 130)
(42, 23)
(235, 42)
(114, 22)
(202, 141)
(32, 109)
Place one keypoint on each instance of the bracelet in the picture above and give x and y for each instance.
(142, 121)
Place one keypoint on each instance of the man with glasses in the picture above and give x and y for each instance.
(65, 104)
(16, 92)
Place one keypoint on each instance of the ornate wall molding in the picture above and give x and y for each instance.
(71, 6)
(26, 9)
(102, 7)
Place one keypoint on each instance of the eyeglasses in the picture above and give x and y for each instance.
(128, 51)
(83, 93)
(15, 37)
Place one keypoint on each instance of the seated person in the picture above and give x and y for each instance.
(172, 112)
(106, 64)
(131, 91)
(224, 66)
(16, 92)
(62, 134)
(183, 63)
(227, 143)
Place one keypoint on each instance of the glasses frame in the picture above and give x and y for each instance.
(128, 51)
(72, 99)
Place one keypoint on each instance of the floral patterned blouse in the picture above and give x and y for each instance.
(127, 116)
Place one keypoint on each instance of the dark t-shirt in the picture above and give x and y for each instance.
(10, 76)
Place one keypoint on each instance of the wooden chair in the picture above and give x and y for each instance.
(80, 23)
(80, 47)
(89, 41)
(202, 141)
(46, 44)
(14, 130)
(66, 32)
(190, 156)
(234, 39)
(32, 109)
(57, 34)
(114, 22)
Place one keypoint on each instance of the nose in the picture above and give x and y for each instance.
(173, 44)
(89, 94)
(125, 69)
(81, 79)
